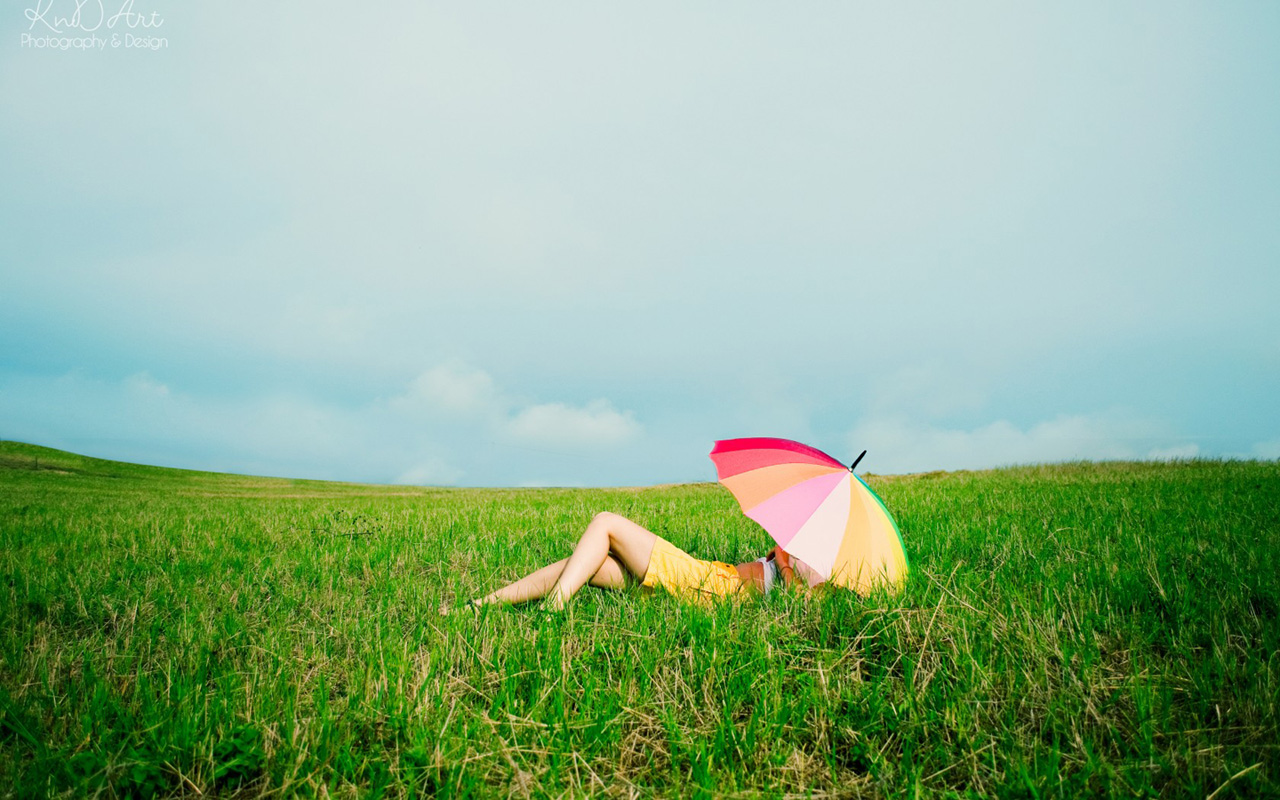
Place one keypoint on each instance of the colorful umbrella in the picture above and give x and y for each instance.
(816, 509)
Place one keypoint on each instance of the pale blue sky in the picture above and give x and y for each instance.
(496, 244)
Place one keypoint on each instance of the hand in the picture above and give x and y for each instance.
(782, 559)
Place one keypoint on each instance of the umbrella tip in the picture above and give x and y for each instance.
(856, 460)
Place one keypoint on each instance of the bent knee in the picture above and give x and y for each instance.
(607, 519)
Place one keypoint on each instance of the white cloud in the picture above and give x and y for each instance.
(597, 424)
(142, 419)
(454, 387)
(1267, 450)
(900, 444)
(451, 423)
(435, 472)
(536, 484)
(145, 385)
(1175, 452)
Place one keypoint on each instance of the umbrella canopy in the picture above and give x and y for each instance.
(816, 509)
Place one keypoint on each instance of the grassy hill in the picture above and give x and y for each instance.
(1082, 629)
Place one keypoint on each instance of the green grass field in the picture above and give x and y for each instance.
(1085, 629)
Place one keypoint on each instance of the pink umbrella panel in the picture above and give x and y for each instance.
(816, 509)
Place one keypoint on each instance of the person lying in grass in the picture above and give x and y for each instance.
(613, 548)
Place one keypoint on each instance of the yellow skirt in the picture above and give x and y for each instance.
(681, 574)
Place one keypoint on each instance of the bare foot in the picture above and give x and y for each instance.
(554, 602)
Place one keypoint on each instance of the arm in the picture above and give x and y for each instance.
(794, 572)
(751, 574)
(786, 571)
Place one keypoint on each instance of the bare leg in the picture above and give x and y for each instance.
(607, 535)
(536, 584)
(610, 548)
